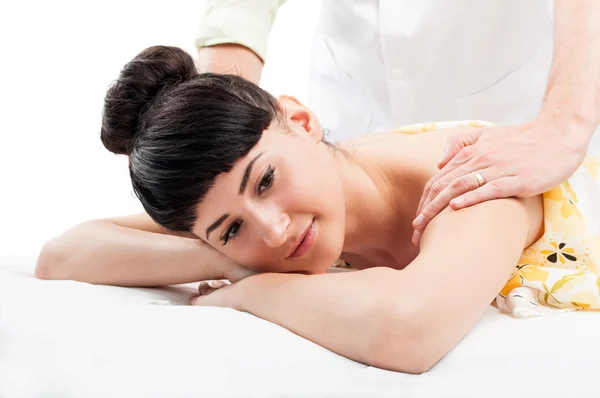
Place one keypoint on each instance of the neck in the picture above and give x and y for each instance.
(370, 202)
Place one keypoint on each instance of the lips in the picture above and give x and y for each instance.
(305, 241)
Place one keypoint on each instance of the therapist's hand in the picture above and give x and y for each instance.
(521, 161)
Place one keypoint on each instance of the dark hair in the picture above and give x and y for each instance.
(181, 129)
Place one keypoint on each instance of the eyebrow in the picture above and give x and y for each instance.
(243, 185)
(247, 174)
(216, 224)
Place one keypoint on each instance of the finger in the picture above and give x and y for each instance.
(465, 183)
(215, 284)
(440, 185)
(416, 238)
(204, 288)
(194, 299)
(459, 160)
(456, 143)
(453, 147)
(205, 301)
(218, 284)
(423, 197)
(455, 154)
(501, 188)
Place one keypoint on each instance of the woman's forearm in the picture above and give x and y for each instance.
(573, 93)
(104, 253)
(348, 313)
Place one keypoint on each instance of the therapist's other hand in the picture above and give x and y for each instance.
(520, 161)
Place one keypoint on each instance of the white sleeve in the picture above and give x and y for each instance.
(244, 22)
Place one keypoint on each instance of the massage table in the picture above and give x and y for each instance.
(71, 339)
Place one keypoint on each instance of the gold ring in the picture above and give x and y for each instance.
(479, 177)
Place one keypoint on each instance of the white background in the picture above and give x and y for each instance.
(57, 60)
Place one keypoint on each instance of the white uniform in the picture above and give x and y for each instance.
(380, 64)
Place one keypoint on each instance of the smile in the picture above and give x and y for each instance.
(307, 240)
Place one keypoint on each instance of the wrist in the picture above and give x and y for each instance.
(246, 289)
(257, 290)
(569, 112)
(573, 128)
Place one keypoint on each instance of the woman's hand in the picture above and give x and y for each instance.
(218, 294)
(223, 293)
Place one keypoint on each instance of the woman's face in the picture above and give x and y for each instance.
(281, 208)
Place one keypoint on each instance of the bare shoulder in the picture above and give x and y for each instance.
(488, 223)
(401, 154)
(410, 160)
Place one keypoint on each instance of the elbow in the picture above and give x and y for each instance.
(402, 344)
(50, 262)
(59, 257)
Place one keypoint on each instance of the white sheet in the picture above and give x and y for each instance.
(68, 339)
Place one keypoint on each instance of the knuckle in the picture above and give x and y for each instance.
(428, 185)
(465, 154)
(460, 184)
(437, 188)
(496, 187)
(428, 213)
(484, 158)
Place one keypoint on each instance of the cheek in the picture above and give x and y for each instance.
(250, 251)
(307, 188)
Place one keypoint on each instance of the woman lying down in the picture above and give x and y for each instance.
(241, 186)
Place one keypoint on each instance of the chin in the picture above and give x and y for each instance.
(320, 269)
(322, 265)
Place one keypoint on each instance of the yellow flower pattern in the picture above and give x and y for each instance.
(559, 272)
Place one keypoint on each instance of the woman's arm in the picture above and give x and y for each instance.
(402, 320)
(466, 258)
(132, 251)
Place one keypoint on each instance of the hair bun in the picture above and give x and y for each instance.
(149, 75)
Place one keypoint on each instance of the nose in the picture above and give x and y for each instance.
(272, 224)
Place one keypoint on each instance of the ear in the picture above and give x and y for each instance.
(300, 118)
